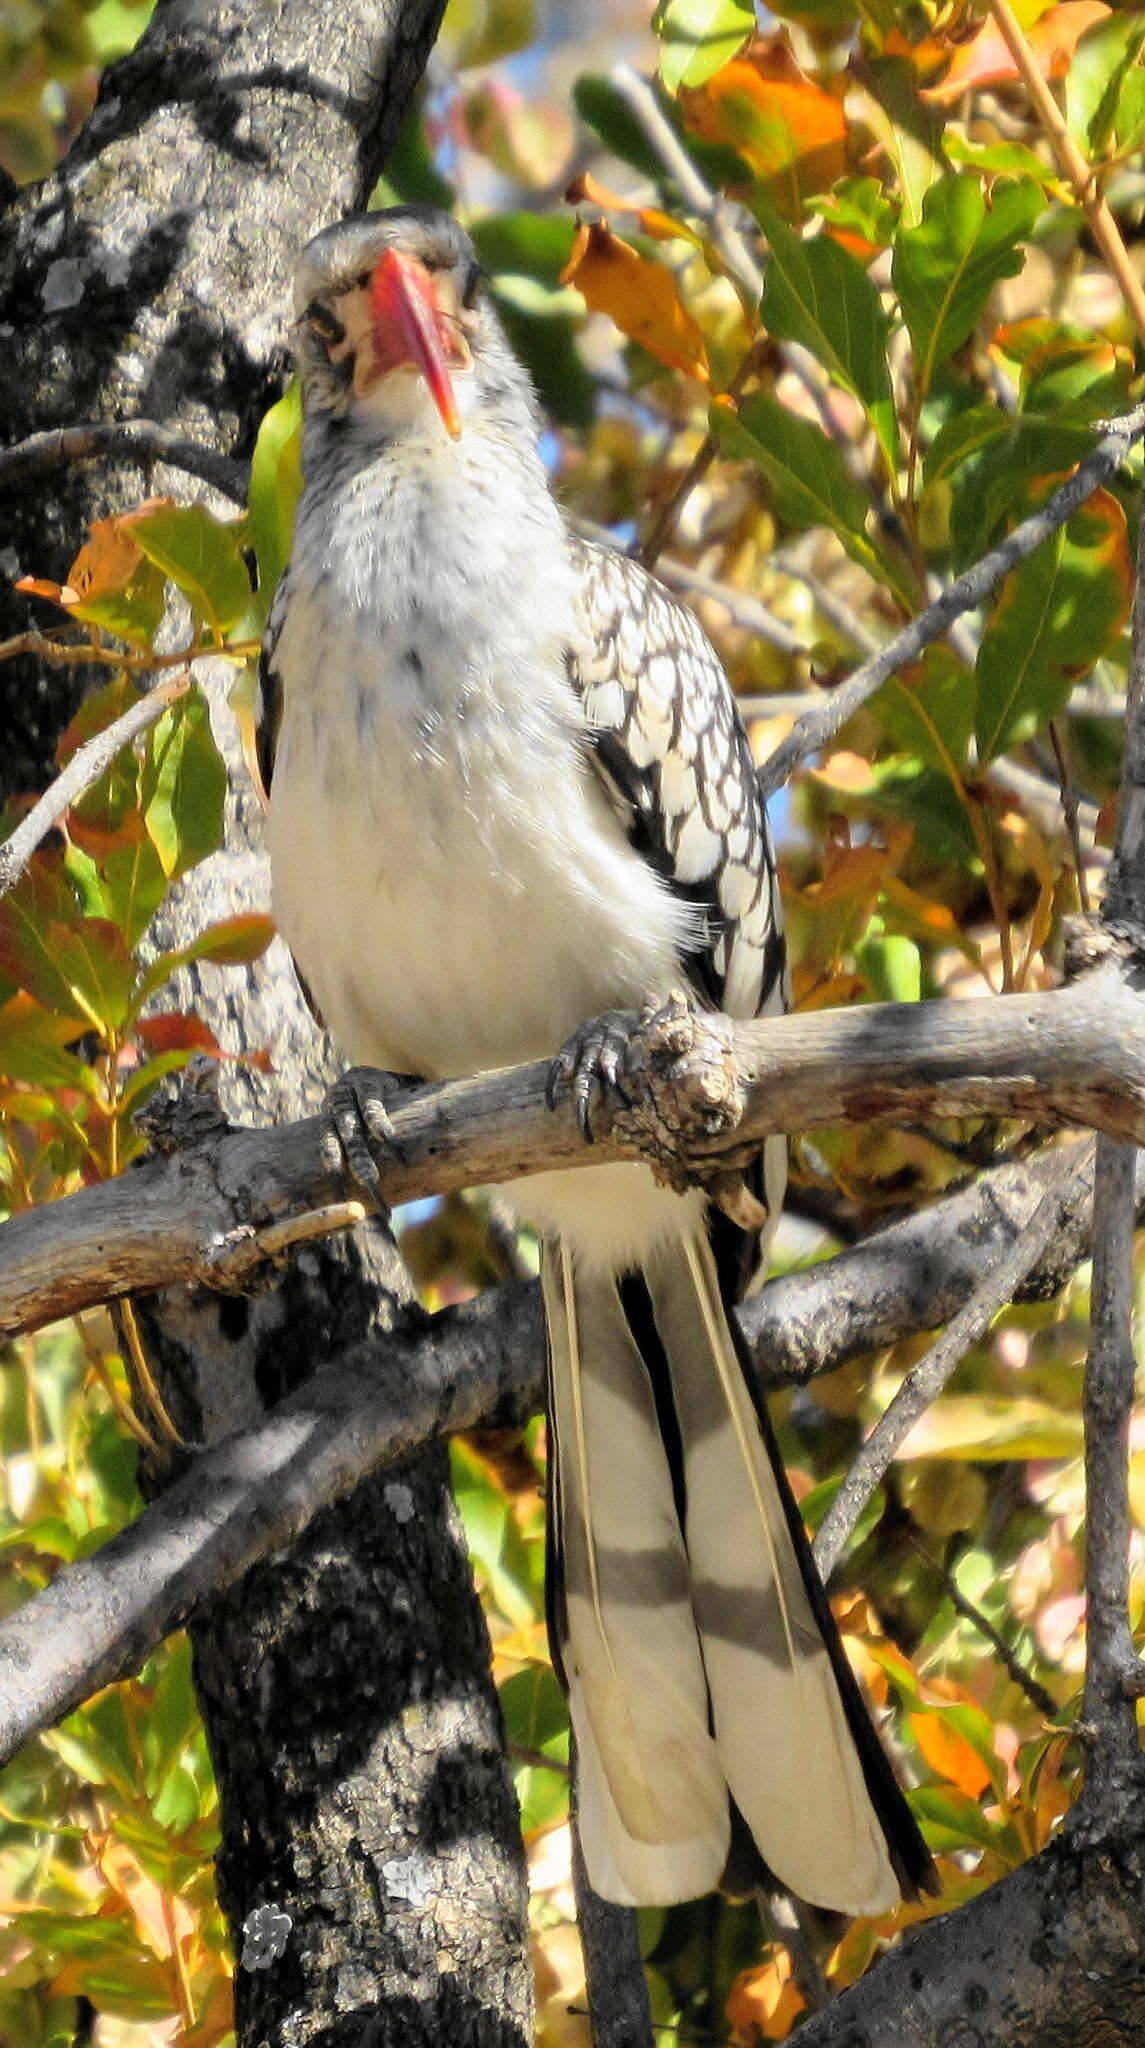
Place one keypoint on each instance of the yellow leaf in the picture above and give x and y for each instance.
(640, 296)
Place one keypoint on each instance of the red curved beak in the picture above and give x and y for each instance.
(406, 329)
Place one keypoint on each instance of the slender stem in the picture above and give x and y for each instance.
(1072, 164)
(86, 766)
(926, 1380)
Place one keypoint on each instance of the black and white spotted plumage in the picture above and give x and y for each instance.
(509, 791)
(670, 740)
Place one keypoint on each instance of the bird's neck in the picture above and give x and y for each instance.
(392, 525)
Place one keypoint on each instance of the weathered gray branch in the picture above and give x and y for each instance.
(141, 441)
(711, 1090)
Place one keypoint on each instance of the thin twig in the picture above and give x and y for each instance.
(1069, 812)
(926, 1380)
(834, 608)
(664, 524)
(86, 766)
(964, 594)
(143, 442)
(86, 654)
(698, 197)
(1034, 1690)
(1071, 163)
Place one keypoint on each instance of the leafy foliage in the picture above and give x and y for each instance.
(934, 340)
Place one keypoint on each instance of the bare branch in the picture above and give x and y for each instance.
(926, 1380)
(254, 1493)
(707, 1093)
(141, 441)
(86, 766)
(963, 595)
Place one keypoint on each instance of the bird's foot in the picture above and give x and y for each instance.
(358, 1107)
(591, 1067)
(667, 1082)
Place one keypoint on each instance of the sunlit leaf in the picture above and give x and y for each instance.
(1103, 87)
(185, 786)
(789, 131)
(909, 131)
(987, 1427)
(698, 36)
(1054, 615)
(859, 214)
(808, 479)
(817, 294)
(945, 269)
(640, 296)
(928, 709)
(275, 483)
(202, 556)
(111, 583)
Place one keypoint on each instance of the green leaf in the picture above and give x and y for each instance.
(275, 483)
(997, 484)
(928, 710)
(698, 37)
(1103, 85)
(999, 159)
(411, 177)
(808, 478)
(908, 127)
(202, 556)
(892, 966)
(1050, 624)
(536, 1720)
(945, 268)
(234, 942)
(816, 293)
(185, 786)
(546, 344)
(531, 244)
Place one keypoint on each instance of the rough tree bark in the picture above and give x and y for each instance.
(345, 1685)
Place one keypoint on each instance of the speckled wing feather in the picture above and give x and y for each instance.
(670, 743)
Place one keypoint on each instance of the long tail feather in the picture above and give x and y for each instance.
(698, 1649)
(654, 1817)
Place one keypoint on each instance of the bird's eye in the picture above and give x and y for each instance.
(323, 323)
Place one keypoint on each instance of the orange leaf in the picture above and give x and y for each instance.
(985, 60)
(640, 296)
(663, 227)
(111, 554)
(949, 1754)
(791, 132)
(764, 2002)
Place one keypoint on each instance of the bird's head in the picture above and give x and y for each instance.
(390, 321)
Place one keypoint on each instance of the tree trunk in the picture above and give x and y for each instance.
(346, 1685)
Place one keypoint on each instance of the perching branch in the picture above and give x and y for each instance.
(707, 1093)
(963, 595)
(86, 766)
(141, 441)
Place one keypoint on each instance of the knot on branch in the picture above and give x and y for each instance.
(185, 1110)
(1092, 942)
(682, 1089)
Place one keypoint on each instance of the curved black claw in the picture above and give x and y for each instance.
(592, 1065)
(357, 1106)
